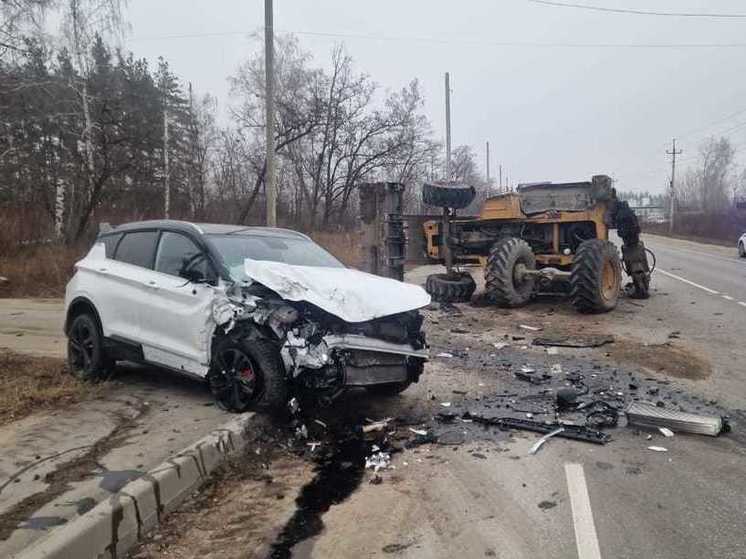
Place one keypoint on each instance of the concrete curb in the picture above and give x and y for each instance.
(113, 526)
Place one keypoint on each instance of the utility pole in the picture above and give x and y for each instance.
(448, 127)
(446, 235)
(673, 153)
(500, 171)
(488, 162)
(269, 62)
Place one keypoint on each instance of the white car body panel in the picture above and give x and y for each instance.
(115, 288)
(177, 323)
(352, 295)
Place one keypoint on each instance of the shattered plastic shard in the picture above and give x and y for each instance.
(658, 448)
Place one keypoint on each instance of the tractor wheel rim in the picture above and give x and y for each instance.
(608, 280)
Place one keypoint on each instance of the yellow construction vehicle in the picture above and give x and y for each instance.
(544, 236)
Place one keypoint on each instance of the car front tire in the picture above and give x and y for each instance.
(248, 374)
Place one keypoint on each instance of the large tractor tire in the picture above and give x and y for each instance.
(448, 196)
(504, 283)
(596, 277)
(457, 287)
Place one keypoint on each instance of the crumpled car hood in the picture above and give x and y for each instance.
(351, 295)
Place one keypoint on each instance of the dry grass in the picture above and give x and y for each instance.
(29, 384)
(345, 246)
(40, 271)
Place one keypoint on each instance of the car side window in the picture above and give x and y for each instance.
(177, 253)
(110, 243)
(137, 248)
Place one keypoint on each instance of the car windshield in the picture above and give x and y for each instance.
(290, 250)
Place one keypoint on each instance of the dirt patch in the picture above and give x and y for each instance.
(238, 512)
(30, 384)
(665, 358)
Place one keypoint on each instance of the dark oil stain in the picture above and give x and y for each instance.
(338, 474)
(113, 480)
(83, 505)
(546, 505)
(117, 515)
(395, 547)
(604, 466)
(42, 522)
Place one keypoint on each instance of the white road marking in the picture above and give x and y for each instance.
(728, 298)
(742, 303)
(702, 287)
(586, 539)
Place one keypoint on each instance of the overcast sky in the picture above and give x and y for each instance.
(550, 112)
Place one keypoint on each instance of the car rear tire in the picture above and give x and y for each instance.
(248, 374)
(741, 250)
(596, 277)
(86, 357)
(390, 389)
(502, 285)
(457, 287)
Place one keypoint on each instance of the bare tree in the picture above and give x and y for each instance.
(708, 186)
(20, 19)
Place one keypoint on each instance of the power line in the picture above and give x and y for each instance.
(638, 12)
(434, 40)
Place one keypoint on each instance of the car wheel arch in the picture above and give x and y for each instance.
(78, 306)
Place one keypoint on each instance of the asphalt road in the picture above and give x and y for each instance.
(700, 291)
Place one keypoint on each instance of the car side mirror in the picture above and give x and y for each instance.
(193, 275)
(191, 270)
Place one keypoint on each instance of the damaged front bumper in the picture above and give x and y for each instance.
(353, 359)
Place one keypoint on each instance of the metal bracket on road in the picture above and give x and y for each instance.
(575, 432)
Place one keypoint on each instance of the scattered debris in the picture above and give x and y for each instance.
(538, 444)
(421, 432)
(575, 432)
(665, 432)
(500, 345)
(653, 417)
(294, 406)
(446, 404)
(552, 350)
(566, 397)
(378, 460)
(658, 448)
(530, 328)
(579, 341)
(377, 425)
(444, 354)
(556, 369)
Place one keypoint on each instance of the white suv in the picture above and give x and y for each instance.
(257, 312)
